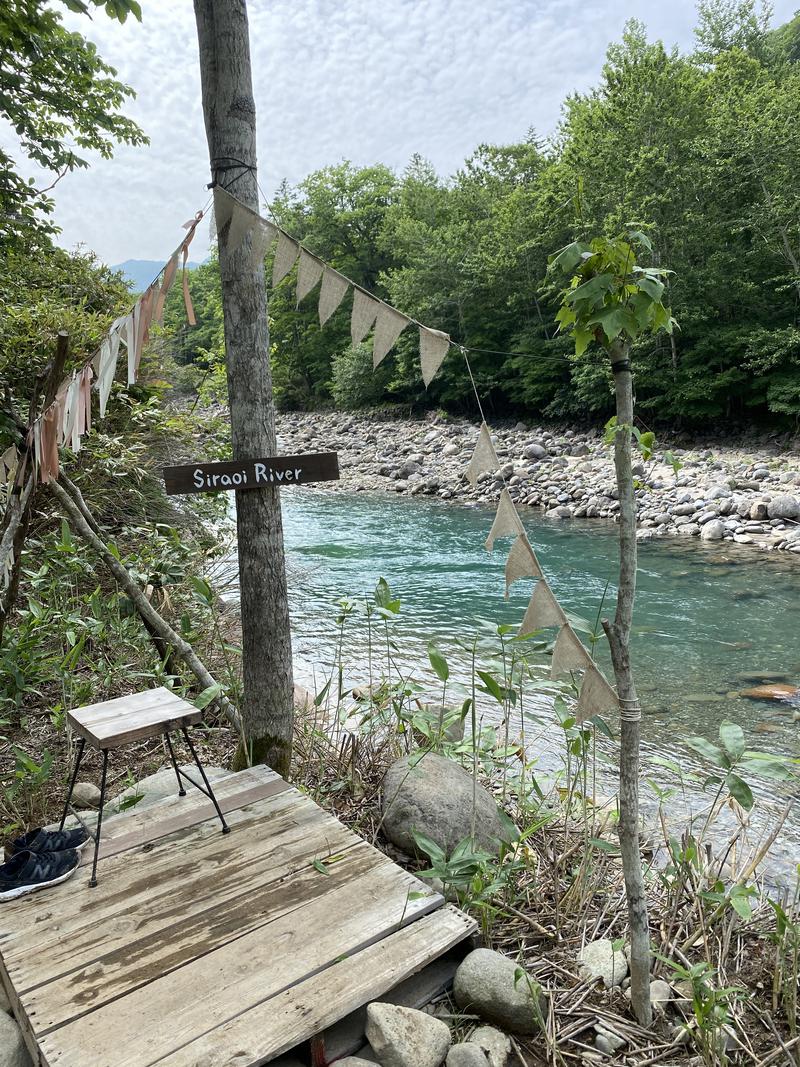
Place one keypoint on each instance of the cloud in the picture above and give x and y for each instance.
(338, 79)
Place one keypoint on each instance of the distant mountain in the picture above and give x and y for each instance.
(140, 272)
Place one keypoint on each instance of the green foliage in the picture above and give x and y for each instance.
(61, 100)
(354, 383)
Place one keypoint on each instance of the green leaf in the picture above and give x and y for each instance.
(567, 258)
(318, 865)
(740, 901)
(740, 791)
(438, 662)
(707, 750)
(207, 696)
(732, 737)
(603, 846)
(651, 287)
(492, 686)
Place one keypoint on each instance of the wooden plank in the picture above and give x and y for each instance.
(187, 814)
(131, 882)
(129, 703)
(181, 931)
(251, 473)
(280, 1022)
(122, 729)
(222, 984)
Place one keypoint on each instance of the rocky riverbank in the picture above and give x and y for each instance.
(746, 493)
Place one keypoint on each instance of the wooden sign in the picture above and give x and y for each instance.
(251, 473)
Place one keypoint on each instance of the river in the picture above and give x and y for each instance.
(709, 621)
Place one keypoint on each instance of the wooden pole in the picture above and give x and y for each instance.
(230, 119)
(619, 634)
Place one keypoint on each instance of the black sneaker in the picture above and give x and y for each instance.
(39, 841)
(27, 872)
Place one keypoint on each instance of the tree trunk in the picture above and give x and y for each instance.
(230, 119)
(619, 633)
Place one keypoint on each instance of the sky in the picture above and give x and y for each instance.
(360, 80)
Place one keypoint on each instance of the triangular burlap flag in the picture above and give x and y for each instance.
(596, 696)
(285, 255)
(309, 272)
(484, 458)
(569, 654)
(242, 223)
(363, 315)
(264, 233)
(507, 522)
(8, 462)
(543, 610)
(331, 293)
(521, 563)
(433, 347)
(224, 205)
(389, 324)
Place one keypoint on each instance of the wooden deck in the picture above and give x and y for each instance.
(203, 950)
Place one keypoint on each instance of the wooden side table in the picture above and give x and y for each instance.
(114, 723)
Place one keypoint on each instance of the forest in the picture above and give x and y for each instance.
(698, 151)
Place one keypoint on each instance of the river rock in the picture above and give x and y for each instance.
(599, 959)
(784, 507)
(13, 1052)
(535, 451)
(433, 795)
(660, 991)
(495, 1044)
(405, 1037)
(774, 691)
(466, 1055)
(714, 530)
(485, 984)
(86, 795)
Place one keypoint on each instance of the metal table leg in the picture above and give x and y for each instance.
(209, 792)
(181, 790)
(98, 828)
(73, 780)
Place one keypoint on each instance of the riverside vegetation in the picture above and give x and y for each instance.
(708, 140)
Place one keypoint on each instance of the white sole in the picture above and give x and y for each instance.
(23, 890)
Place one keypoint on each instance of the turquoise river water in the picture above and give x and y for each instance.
(710, 621)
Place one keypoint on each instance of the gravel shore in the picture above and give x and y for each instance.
(745, 492)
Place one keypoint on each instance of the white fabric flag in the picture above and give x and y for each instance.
(8, 463)
(484, 458)
(109, 353)
(507, 522)
(70, 411)
(433, 347)
(131, 337)
(264, 233)
(388, 327)
(365, 309)
(309, 272)
(521, 563)
(285, 255)
(543, 610)
(331, 293)
(596, 696)
(569, 654)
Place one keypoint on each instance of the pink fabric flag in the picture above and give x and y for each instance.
(167, 279)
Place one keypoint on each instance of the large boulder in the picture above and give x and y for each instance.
(784, 507)
(713, 530)
(405, 1037)
(13, 1052)
(433, 795)
(490, 985)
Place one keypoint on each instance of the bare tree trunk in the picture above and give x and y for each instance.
(619, 633)
(230, 118)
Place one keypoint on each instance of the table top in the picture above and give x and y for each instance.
(113, 723)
